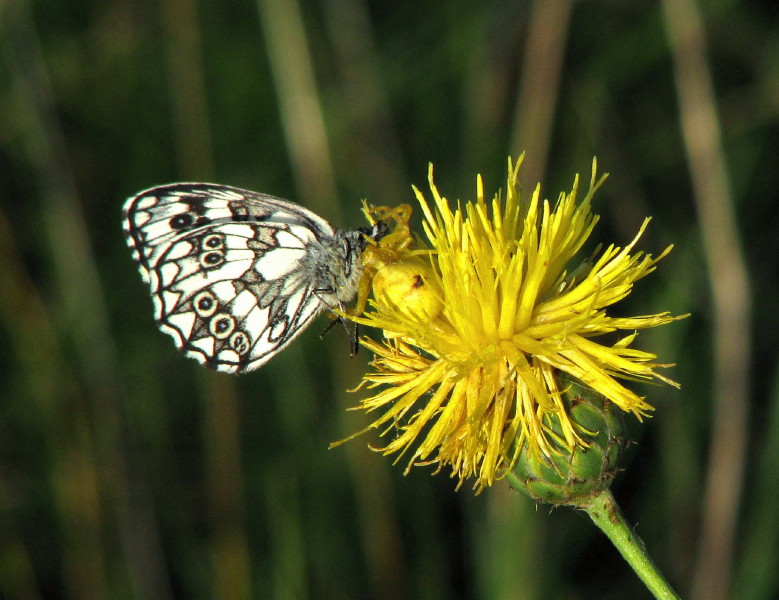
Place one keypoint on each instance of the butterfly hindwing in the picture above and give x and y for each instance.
(235, 275)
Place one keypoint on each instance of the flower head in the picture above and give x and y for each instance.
(481, 319)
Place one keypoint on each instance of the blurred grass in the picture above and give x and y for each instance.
(127, 472)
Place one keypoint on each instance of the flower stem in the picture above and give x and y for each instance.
(603, 509)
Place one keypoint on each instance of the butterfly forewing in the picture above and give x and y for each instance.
(235, 275)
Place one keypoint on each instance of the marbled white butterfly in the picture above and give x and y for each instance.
(236, 275)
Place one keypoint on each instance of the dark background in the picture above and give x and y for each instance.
(127, 471)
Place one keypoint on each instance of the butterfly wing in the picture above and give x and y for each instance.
(225, 269)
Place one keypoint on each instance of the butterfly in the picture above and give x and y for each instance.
(236, 275)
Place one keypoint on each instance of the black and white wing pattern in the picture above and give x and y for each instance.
(235, 275)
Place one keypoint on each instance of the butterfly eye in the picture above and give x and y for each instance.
(346, 250)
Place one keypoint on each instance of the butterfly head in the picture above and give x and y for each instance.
(374, 233)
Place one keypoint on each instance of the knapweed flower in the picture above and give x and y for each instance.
(481, 320)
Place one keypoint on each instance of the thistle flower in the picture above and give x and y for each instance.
(481, 319)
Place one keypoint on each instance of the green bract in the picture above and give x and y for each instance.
(575, 476)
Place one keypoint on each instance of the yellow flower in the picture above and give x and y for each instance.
(479, 324)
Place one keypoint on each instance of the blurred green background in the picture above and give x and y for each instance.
(128, 471)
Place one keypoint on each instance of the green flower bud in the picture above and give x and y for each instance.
(574, 477)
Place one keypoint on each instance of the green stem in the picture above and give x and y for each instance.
(603, 509)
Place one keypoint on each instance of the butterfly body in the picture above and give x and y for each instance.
(236, 275)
